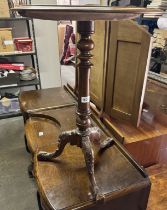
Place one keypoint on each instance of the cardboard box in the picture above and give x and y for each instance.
(6, 40)
(4, 9)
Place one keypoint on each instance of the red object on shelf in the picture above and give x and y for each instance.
(23, 44)
(9, 66)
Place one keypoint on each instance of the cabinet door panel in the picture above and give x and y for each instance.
(128, 60)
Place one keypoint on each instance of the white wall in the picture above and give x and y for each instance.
(47, 48)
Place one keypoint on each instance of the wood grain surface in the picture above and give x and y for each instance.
(53, 12)
(36, 100)
(64, 184)
(147, 143)
(126, 71)
(158, 195)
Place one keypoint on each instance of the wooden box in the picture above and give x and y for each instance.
(64, 183)
(6, 40)
(4, 9)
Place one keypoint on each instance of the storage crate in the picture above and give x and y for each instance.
(6, 40)
(9, 105)
(4, 9)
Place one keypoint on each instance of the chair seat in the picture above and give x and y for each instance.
(42, 132)
(35, 100)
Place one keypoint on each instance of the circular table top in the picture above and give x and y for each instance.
(82, 13)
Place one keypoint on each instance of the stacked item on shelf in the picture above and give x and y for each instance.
(159, 51)
(156, 4)
(8, 78)
(21, 71)
(28, 74)
(20, 44)
(160, 38)
(6, 40)
(4, 9)
(161, 4)
(9, 102)
(23, 44)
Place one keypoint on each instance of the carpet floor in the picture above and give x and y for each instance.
(17, 190)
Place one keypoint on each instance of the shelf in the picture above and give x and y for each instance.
(28, 83)
(157, 77)
(14, 18)
(21, 84)
(17, 53)
(150, 18)
(10, 114)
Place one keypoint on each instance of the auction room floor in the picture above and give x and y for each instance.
(17, 190)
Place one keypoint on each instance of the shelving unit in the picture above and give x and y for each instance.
(34, 60)
(18, 53)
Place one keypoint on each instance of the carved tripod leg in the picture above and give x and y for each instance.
(64, 138)
(89, 159)
(94, 134)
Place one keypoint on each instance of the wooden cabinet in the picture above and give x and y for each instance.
(120, 69)
(127, 68)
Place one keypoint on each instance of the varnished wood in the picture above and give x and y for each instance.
(147, 143)
(38, 100)
(53, 12)
(52, 131)
(85, 29)
(83, 135)
(158, 195)
(97, 75)
(127, 67)
(63, 183)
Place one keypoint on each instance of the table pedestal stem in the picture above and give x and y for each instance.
(84, 134)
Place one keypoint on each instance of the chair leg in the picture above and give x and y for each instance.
(31, 170)
(39, 201)
(26, 145)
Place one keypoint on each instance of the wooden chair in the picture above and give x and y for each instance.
(34, 101)
(37, 100)
(43, 132)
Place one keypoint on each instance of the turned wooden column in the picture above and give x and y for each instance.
(85, 45)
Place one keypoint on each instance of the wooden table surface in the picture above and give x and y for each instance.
(53, 12)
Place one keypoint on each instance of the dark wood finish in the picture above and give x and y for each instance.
(80, 13)
(84, 136)
(38, 100)
(158, 195)
(147, 143)
(63, 183)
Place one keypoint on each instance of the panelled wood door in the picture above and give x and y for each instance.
(97, 74)
(127, 67)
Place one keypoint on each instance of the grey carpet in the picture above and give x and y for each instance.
(17, 190)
